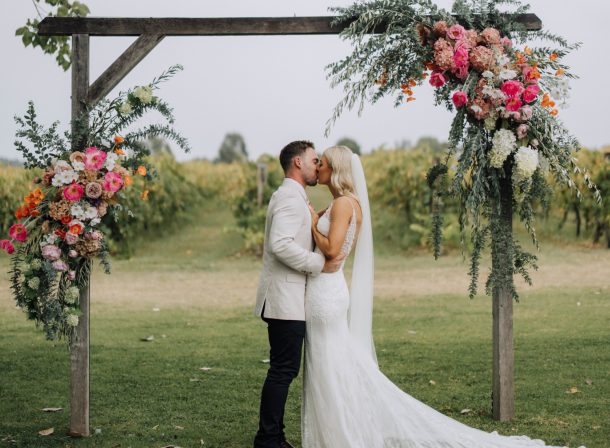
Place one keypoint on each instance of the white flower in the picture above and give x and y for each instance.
(127, 154)
(64, 178)
(77, 211)
(111, 159)
(502, 60)
(78, 166)
(526, 162)
(476, 108)
(487, 74)
(125, 108)
(504, 142)
(72, 320)
(61, 165)
(143, 93)
(34, 283)
(71, 295)
(48, 239)
(507, 74)
(90, 212)
(94, 222)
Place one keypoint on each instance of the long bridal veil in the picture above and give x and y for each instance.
(360, 313)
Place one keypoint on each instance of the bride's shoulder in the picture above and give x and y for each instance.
(341, 205)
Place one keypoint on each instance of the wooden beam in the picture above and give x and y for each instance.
(228, 26)
(122, 66)
(79, 351)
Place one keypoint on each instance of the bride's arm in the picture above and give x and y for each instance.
(340, 215)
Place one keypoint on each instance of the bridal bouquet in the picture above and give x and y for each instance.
(60, 224)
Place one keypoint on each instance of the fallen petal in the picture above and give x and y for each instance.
(46, 432)
(52, 409)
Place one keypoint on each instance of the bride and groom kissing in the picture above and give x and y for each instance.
(304, 299)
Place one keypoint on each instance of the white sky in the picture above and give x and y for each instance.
(273, 89)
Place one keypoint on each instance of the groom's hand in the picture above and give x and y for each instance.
(333, 264)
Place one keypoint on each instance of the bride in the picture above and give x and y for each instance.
(347, 401)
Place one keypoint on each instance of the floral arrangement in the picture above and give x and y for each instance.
(506, 138)
(60, 224)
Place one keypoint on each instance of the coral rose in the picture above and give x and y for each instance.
(531, 93)
(512, 88)
(74, 192)
(459, 98)
(513, 104)
(437, 79)
(456, 32)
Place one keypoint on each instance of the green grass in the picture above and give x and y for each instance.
(152, 394)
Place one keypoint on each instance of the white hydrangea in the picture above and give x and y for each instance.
(125, 108)
(504, 143)
(72, 320)
(71, 295)
(111, 159)
(34, 283)
(507, 74)
(143, 93)
(526, 162)
(64, 178)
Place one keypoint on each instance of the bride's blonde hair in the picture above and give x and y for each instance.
(340, 160)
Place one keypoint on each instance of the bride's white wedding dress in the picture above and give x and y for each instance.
(348, 402)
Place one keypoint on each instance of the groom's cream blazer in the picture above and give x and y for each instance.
(287, 255)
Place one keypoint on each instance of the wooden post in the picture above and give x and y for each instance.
(79, 352)
(503, 390)
(261, 181)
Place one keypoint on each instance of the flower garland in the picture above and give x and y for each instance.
(506, 96)
(60, 224)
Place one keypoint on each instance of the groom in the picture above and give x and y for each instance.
(280, 300)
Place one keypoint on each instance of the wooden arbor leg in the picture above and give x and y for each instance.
(79, 352)
(503, 391)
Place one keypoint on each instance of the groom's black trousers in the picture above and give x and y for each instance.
(286, 342)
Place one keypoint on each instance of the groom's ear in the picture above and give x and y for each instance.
(297, 162)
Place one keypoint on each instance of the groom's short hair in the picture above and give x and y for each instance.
(292, 150)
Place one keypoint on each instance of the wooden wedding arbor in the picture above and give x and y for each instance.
(150, 32)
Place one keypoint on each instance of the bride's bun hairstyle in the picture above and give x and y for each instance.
(340, 161)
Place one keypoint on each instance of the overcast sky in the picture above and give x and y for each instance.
(273, 89)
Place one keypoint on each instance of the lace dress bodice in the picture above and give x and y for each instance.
(324, 228)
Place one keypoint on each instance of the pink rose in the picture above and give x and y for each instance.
(461, 72)
(513, 104)
(94, 158)
(73, 192)
(437, 79)
(7, 246)
(113, 182)
(51, 252)
(526, 113)
(522, 131)
(18, 232)
(460, 56)
(60, 265)
(456, 32)
(531, 93)
(459, 98)
(71, 238)
(512, 88)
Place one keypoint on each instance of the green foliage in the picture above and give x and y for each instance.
(351, 144)
(54, 45)
(232, 149)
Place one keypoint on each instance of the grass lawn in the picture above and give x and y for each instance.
(195, 297)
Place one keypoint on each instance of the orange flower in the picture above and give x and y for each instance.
(546, 101)
(410, 99)
(412, 83)
(119, 152)
(527, 51)
(34, 213)
(19, 214)
(553, 57)
(554, 112)
(560, 72)
(424, 75)
(429, 65)
(76, 229)
(519, 57)
(144, 195)
(118, 139)
(142, 170)
(127, 180)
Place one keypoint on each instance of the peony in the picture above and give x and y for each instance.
(18, 232)
(531, 93)
(443, 54)
(72, 292)
(526, 162)
(72, 320)
(456, 32)
(460, 56)
(60, 266)
(7, 246)
(93, 190)
(522, 131)
(74, 192)
(125, 108)
(51, 252)
(34, 283)
(513, 104)
(437, 79)
(459, 98)
(143, 93)
(94, 158)
(490, 36)
(482, 58)
(504, 142)
(113, 182)
(512, 89)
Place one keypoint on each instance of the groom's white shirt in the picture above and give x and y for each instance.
(287, 254)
